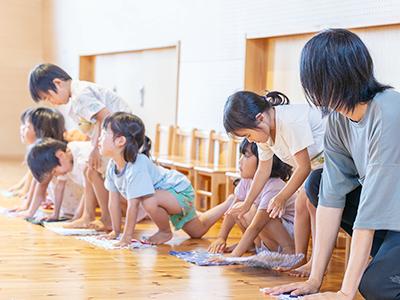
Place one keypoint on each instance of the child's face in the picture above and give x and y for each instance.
(254, 135)
(65, 166)
(58, 97)
(28, 134)
(248, 164)
(107, 143)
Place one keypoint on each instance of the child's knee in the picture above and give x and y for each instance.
(92, 175)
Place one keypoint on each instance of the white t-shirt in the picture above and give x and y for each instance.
(80, 152)
(298, 126)
(87, 99)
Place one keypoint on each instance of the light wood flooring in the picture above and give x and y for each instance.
(36, 263)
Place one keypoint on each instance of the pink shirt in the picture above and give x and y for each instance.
(270, 190)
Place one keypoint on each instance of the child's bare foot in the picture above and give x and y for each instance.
(78, 223)
(160, 237)
(99, 225)
(302, 262)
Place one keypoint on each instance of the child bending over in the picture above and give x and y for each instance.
(90, 105)
(38, 123)
(258, 227)
(49, 157)
(164, 194)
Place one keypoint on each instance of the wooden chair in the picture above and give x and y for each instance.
(163, 141)
(234, 159)
(181, 147)
(201, 153)
(209, 178)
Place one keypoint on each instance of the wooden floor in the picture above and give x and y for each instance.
(36, 263)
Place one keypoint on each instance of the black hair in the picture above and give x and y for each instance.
(42, 157)
(336, 71)
(41, 79)
(241, 109)
(26, 113)
(132, 128)
(279, 168)
(47, 122)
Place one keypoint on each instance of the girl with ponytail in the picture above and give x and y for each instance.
(294, 133)
(164, 194)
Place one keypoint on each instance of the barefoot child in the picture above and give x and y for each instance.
(49, 157)
(164, 194)
(90, 105)
(39, 123)
(257, 225)
(294, 132)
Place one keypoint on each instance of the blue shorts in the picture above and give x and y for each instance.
(186, 200)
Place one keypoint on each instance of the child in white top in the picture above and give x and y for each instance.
(256, 225)
(37, 123)
(294, 132)
(164, 194)
(90, 105)
(50, 157)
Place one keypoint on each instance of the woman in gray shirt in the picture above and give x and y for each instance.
(358, 189)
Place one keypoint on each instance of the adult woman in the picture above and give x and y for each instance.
(361, 147)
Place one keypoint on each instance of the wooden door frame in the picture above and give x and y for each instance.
(87, 65)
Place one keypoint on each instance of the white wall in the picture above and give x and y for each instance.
(212, 35)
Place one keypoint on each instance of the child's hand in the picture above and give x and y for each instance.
(47, 218)
(17, 208)
(23, 214)
(95, 159)
(217, 246)
(240, 208)
(124, 242)
(111, 236)
(276, 207)
(218, 259)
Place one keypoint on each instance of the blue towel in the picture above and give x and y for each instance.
(198, 257)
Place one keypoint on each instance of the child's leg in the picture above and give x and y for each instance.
(302, 226)
(198, 226)
(81, 207)
(97, 182)
(305, 270)
(159, 206)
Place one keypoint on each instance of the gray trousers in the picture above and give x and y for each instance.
(381, 279)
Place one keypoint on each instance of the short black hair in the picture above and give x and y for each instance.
(41, 79)
(242, 107)
(132, 128)
(336, 71)
(42, 157)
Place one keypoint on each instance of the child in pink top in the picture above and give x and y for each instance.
(276, 234)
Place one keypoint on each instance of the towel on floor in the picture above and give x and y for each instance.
(41, 223)
(198, 257)
(59, 229)
(285, 296)
(268, 259)
(7, 194)
(109, 244)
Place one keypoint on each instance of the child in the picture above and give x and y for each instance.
(90, 105)
(40, 123)
(132, 175)
(257, 222)
(294, 132)
(50, 157)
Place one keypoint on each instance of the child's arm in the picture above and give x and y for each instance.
(95, 156)
(130, 222)
(258, 223)
(116, 215)
(276, 206)
(259, 181)
(25, 188)
(227, 224)
(28, 200)
(20, 183)
(39, 194)
(58, 198)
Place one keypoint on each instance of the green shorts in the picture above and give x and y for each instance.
(186, 200)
